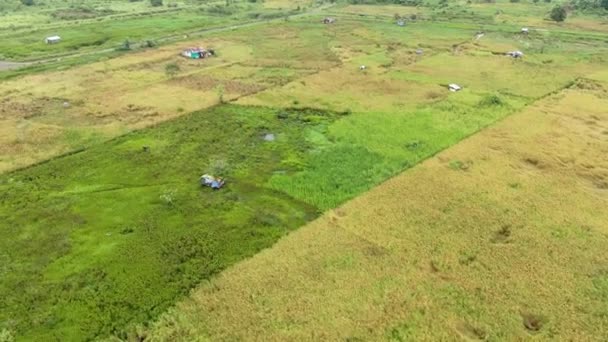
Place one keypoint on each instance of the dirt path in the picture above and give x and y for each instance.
(11, 65)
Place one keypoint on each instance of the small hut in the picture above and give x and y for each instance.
(197, 53)
(329, 20)
(525, 30)
(52, 39)
(400, 22)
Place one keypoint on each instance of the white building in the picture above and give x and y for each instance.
(52, 39)
(454, 87)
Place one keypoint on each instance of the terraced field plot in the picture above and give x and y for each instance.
(104, 240)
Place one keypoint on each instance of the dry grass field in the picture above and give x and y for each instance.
(501, 237)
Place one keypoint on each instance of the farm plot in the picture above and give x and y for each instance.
(133, 224)
(97, 25)
(48, 114)
(499, 237)
(111, 236)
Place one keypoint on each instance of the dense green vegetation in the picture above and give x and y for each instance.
(112, 235)
(366, 149)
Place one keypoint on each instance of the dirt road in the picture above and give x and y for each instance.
(11, 65)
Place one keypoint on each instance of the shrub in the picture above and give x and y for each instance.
(491, 100)
(218, 167)
(168, 197)
(558, 14)
(172, 69)
(156, 3)
(6, 336)
(28, 2)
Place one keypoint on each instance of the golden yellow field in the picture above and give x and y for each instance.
(501, 237)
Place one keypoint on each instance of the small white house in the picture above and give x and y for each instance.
(363, 67)
(454, 87)
(525, 30)
(52, 39)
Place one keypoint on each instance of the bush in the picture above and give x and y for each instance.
(6, 336)
(156, 3)
(558, 14)
(28, 2)
(491, 100)
(218, 167)
(172, 69)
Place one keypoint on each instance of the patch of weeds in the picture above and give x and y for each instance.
(491, 100)
(414, 145)
(406, 331)
(346, 112)
(127, 230)
(218, 167)
(533, 323)
(600, 285)
(6, 335)
(467, 257)
(472, 332)
(168, 197)
(459, 165)
(502, 235)
(515, 185)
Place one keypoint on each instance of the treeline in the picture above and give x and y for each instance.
(588, 4)
(582, 5)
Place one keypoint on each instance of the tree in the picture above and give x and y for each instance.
(558, 13)
(156, 3)
(604, 4)
(28, 2)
